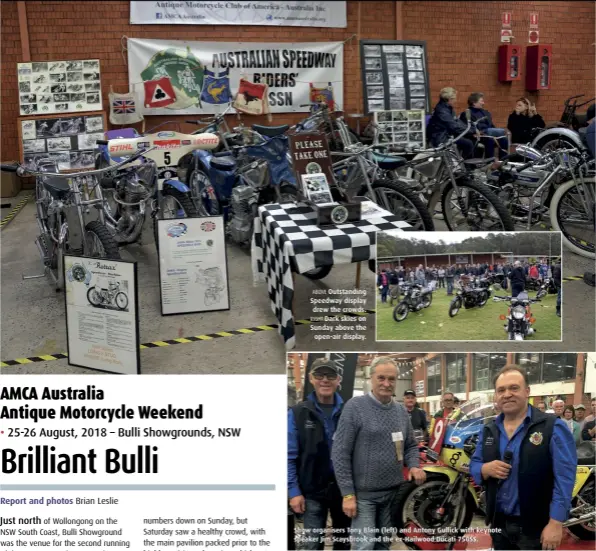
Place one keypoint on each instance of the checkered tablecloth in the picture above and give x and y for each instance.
(287, 236)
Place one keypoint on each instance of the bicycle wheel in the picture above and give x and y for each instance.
(478, 207)
(572, 213)
(396, 197)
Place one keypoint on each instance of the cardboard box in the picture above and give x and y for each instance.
(10, 184)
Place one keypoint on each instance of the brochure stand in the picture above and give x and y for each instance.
(102, 314)
(193, 266)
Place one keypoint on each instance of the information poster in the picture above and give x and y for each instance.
(59, 86)
(102, 314)
(401, 127)
(394, 75)
(193, 268)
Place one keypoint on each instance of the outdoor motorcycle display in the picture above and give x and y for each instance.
(63, 216)
(446, 502)
(470, 294)
(112, 297)
(519, 316)
(416, 297)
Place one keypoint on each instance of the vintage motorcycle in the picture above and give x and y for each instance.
(416, 297)
(547, 287)
(112, 297)
(62, 213)
(519, 316)
(469, 295)
(446, 502)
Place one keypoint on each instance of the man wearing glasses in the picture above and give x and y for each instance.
(312, 488)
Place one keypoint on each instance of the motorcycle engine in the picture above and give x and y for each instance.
(469, 301)
(243, 203)
(130, 191)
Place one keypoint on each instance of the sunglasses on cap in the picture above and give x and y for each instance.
(329, 375)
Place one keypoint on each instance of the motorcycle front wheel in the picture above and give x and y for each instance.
(482, 299)
(454, 307)
(540, 294)
(121, 301)
(485, 211)
(99, 241)
(586, 530)
(400, 312)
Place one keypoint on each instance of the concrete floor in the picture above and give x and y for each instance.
(33, 321)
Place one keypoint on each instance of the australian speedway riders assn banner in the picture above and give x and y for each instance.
(205, 75)
(286, 13)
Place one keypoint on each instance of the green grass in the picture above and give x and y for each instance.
(476, 324)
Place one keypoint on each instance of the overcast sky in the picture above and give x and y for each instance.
(446, 236)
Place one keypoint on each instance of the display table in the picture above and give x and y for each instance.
(287, 240)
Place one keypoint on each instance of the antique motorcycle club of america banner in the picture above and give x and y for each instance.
(271, 12)
(204, 75)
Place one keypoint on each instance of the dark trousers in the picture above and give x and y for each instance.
(441, 281)
(315, 520)
(509, 535)
(516, 289)
(466, 147)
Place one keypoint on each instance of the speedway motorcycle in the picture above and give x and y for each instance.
(63, 211)
(519, 316)
(547, 287)
(469, 295)
(112, 297)
(447, 501)
(416, 297)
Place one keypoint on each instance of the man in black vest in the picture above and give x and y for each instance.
(417, 415)
(526, 461)
(312, 488)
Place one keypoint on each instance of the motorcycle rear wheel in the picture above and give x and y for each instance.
(454, 307)
(400, 312)
(100, 243)
(482, 299)
(580, 530)
(175, 198)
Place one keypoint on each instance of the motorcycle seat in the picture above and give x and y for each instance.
(57, 187)
(271, 131)
(223, 163)
(386, 162)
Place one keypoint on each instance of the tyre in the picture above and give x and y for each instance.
(427, 300)
(553, 142)
(400, 312)
(567, 206)
(172, 204)
(454, 307)
(396, 197)
(489, 212)
(93, 296)
(196, 181)
(99, 241)
(585, 531)
(121, 300)
(425, 500)
(482, 299)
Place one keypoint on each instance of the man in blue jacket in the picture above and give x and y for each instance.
(444, 124)
(486, 126)
(312, 488)
(526, 461)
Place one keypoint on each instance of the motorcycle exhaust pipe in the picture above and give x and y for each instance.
(580, 520)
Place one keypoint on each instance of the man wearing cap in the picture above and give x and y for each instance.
(312, 488)
(417, 416)
(373, 442)
(580, 416)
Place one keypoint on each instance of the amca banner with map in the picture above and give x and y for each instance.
(205, 75)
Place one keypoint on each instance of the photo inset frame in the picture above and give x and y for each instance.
(102, 314)
(193, 265)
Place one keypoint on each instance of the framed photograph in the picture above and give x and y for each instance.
(374, 78)
(24, 87)
(29, 109)
(90, 64)
(193, 267)
(92, 87)
(94, 124)
(373, 63)
(396, 81)
(400, 137)
(372, 51)
(28, 131)
(415, 126)
(396, 103)
(416, 77)
(397, 93)
(414, 51)
(394, 58)
(395, 69)
(99, 295)
(418, 90)
(82, 159)
(416, 137)
(58, 88)
(399, 116)
(316, 188)
(375, 105)
(375, 91)
(34, 146)
(56, 66)
(62, 160)
(58, 144)
(90, 76)
(415, 115)
(416, 103)
(74, 65)
(74, 77)
(40, 67)
(89, 141)
(393, 48)
(40, 79)
(93, 98)
(414, 64)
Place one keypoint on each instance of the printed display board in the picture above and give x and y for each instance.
(319, 13)
(59, 86)
(204, 75)
(310, 156)
(68, 140)
(394, 75)
(193, 268)
(102, 314)
(462, 259)
(401, 127)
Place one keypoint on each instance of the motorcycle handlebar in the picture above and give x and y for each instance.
(101, 142)
(9, 168)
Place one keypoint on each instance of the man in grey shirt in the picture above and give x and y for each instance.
(373, 441)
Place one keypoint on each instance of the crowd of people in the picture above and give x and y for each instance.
(444, 124)
(446, 276)
(347, 459)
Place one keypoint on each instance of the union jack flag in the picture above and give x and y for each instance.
(124, 106)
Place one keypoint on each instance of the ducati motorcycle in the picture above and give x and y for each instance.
(519, 316)
(472, 295)
(444, 505)
(112, 297)
(415, 299)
